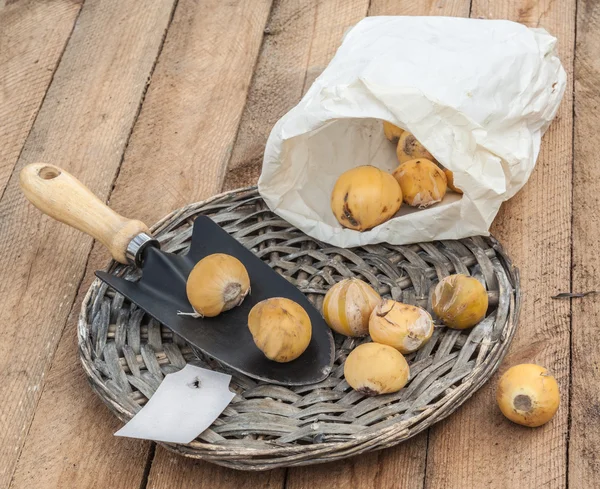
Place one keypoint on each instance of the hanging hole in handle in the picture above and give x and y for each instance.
(48, 172)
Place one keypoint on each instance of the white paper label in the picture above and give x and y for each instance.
(185, 404)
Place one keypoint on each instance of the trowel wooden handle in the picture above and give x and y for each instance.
(64, 198)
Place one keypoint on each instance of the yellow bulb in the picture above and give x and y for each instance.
(364, 197)
(423, 183)
(450, 178)
(402, 326)
(528, 395)
(217, 283)
(373, 369)
(281, 328)
(348, 305)
(391, 131)
(409, 149)
(459, 301)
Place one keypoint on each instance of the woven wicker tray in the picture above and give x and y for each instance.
(126, 354)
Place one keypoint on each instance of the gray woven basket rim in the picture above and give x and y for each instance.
(247, 455)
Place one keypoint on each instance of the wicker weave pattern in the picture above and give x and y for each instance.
(126, 354)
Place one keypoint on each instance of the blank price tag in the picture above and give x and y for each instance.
(184, 405)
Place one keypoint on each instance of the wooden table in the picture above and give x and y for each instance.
(158, 103)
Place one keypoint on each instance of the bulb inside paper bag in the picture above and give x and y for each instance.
(480, 104)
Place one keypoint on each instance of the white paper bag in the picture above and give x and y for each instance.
(478, 94)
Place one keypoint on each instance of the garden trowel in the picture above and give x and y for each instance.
(161, 291)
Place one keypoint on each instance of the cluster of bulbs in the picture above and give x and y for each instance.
(366, 196)
(353, 308)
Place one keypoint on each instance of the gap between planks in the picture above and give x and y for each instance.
(137, 114)
(571, 276)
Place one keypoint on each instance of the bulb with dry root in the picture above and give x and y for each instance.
(423, 183)
(450, 179)
(364, 197)
(281, 328)
(348, 305)
(409, 149)
(391, 131)
(217, 283)
(460, 301)
(528, 395)
(373, 369)
(402, 326)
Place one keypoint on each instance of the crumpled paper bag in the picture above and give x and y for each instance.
(478, 94)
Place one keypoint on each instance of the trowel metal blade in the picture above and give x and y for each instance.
(161, 293)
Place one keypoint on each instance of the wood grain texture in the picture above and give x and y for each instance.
(83, 125)
(186, 129)
(32, 39)
(188, 122)
(477, 447)
(71, 443)
(402, 466)
(584, 437)
(451, 8)
(300, 39)
(170, 470)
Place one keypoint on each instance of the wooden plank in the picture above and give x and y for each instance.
(331, 20)
(477, 447)
(404, 464)
(188, 124)
(584, 438)
(83, 125)
(173, 471)
(32, 39)
(70, 443)
(451, 8)
(181, 140)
